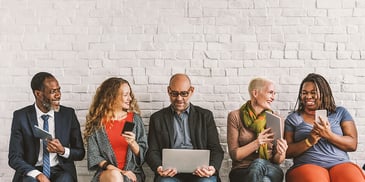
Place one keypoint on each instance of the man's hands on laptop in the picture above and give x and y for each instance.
(205, 171)
(201, 172)
(166, 172)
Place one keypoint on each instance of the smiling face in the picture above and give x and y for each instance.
(310, 97)
(49, 97)
(124, 98)
(264, 97)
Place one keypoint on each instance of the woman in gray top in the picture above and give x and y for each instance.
(115, 155)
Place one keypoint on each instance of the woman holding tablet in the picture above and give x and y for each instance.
(250, 145)
(116, 148)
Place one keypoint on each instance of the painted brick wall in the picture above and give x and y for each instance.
(221, 44)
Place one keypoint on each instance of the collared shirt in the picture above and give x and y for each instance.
(51, 128)
(182, 138)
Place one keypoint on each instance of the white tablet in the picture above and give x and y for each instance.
(274, 122)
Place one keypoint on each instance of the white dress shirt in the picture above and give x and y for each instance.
(51, 128)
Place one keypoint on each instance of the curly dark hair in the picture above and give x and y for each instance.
(323, 88)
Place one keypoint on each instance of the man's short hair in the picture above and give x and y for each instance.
(38, 80)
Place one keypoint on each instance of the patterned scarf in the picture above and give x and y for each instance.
(255, 123)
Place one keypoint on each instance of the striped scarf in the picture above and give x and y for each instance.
(256, 123)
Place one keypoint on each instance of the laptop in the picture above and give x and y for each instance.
(274, 122)
(185, 160)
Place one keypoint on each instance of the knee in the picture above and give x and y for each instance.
(258, 164)
(115, 174)
(307, 172)
(65, 177)
(111, 175)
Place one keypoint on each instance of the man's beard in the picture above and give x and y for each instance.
(48, 105)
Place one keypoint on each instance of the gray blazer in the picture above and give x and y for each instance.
(99, 149)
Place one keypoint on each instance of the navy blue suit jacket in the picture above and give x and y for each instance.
(24, 146)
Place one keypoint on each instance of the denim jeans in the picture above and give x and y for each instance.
(260, 170)
(185, 177)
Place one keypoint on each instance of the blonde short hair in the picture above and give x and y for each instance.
(257, 84)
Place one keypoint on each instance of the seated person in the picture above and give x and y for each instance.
(250, 145)
(319, 149)
(36, 159)
(115, 156)
(183, 125)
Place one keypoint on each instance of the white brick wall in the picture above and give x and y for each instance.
(222, 44)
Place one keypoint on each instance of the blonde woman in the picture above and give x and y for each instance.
(250, 144)
(115, 155)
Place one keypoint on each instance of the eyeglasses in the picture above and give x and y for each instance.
(176, 93)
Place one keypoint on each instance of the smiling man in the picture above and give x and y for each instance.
(36, 159)
(183, 125)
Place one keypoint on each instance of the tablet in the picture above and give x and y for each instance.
(185, 160)
(40, 133)
(274, 122)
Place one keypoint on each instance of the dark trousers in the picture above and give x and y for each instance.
(57, 175)
(185, 177)
(260, 170)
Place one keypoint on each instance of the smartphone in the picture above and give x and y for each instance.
(40, 133)
(128, 126)
(320, 113)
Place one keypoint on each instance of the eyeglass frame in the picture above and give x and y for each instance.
(181, 93)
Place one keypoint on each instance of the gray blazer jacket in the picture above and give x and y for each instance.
(99, 149)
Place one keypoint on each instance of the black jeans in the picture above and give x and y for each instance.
(260, 170)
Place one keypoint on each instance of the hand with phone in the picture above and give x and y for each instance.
(127, 132)
(320, 115)
(321, 125)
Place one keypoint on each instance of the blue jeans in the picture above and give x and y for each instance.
(260, 170)
(185, 177)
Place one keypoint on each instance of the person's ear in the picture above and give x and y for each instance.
(192, 89)
(255, 92)
(37, 93)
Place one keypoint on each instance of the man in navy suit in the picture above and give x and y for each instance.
(65, 147)
(183, 125)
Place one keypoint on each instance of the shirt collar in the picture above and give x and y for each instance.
(40, 113)
(187, 110)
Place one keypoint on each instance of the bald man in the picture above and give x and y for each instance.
(183, 125)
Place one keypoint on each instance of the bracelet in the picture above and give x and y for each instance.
(308, 143)
(105, 165)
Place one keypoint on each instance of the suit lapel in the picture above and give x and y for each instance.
(168, 119)
(32, 120)
(57, 123)
(192, 124)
